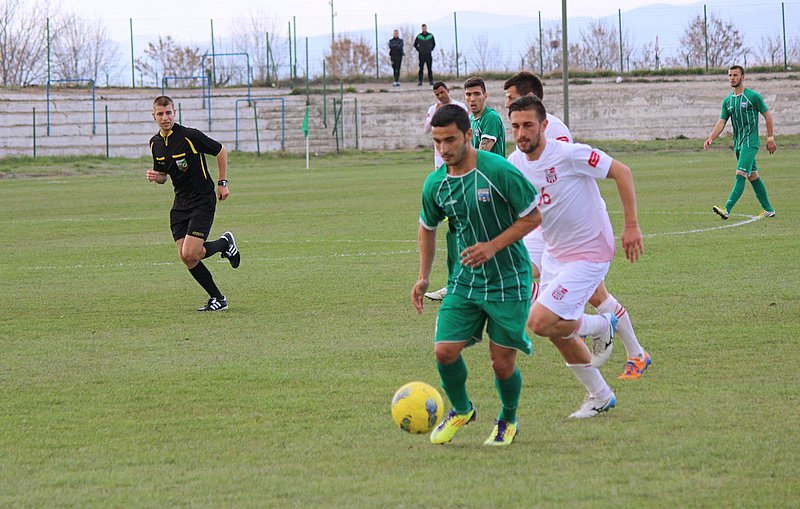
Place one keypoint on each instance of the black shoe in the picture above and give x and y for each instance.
(232, 253)
(215, 304)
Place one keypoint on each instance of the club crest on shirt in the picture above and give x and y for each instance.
(550, 175)
(182, 164)
(559, 292)
(484, 195)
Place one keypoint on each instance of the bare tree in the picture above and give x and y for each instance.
(598, 47)
(725, 42)
(251, 37)
(167, 58)
(550, 45)
(23, 43)
(770, 51)
(484, 55)
(350, 57)
(82, 48)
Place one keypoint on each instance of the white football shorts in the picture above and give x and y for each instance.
(567, 286)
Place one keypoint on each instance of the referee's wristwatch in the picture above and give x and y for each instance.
(222, 183)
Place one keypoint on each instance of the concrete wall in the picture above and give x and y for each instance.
(388, 118)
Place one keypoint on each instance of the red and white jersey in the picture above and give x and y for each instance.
(557, 130)
(575, 222)
(437, 157)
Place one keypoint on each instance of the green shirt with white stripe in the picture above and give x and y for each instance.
(480, 205)
(743, 110)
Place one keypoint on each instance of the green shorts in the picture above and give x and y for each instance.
(463, 320)
(746, 160)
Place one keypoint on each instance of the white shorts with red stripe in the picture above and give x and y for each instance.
(567, 286)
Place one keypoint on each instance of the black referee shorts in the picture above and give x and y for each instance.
(193, 221)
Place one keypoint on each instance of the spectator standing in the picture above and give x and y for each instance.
(424, 44)
(396, 56)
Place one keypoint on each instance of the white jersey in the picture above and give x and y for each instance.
(557, 130)
(437, 157)
(575, 223)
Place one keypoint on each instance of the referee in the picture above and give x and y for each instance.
(179, 152)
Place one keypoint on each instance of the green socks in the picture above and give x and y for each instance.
(736, 192)
(454, 383)
(509, 390)
(761, 194)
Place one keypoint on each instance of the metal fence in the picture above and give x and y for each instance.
(253, 49)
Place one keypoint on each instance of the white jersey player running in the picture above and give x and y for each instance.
(579, 241)
(527, 83)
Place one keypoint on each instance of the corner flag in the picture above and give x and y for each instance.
(304, 128)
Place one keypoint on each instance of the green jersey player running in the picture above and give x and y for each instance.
(490, 206)
(743, 107)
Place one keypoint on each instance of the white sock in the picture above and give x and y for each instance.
(591, 378)
(591, 325)
(624, 327)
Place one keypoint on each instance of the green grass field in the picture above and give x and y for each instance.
(114, 392)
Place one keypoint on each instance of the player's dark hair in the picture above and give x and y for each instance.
(163, 100)
(528, 103)
(739, 67)
(475, 81)
(525, 83)
(440, 84)
(451, 114)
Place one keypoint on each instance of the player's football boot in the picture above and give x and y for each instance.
(502, 434)
(635, 367)
(437, 295)
(721, 212)
(447, 429)
(767, 213)
(214, 304)
(592, 406)
(232, 253)
(603, 344)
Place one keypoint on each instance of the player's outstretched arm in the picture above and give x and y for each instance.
(771, 146)
(426, 239)
(631, 234)
(718, 127)
(480, 253)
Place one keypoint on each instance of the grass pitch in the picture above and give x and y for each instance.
(114, 392)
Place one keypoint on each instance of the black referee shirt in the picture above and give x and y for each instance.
(181, 155)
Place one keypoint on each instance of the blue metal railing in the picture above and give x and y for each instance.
(204, 81)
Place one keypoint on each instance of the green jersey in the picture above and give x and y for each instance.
(743, 110)
(489, 125)
(479, 206)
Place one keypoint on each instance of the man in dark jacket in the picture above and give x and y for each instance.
(424, 44)
(396, 55)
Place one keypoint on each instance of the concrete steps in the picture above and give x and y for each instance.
(388, 118)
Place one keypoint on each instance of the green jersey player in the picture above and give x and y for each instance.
(488, 132)
(743, 107)
(490, 206)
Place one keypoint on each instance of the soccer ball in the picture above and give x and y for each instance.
(417, 407)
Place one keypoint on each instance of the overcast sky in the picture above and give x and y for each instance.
(314, 16)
